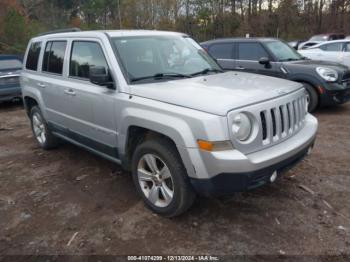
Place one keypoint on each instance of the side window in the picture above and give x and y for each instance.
(33, 56)
(334, 47)
(54, 56)
(251, 51)
(85, 54)
(221, 51)
(347, 47)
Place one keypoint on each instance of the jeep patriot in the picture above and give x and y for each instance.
(159, 105)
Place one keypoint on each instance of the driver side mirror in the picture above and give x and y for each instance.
(264, 61)
(99, 75)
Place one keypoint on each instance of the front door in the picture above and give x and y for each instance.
(92, 107)
(248, 55)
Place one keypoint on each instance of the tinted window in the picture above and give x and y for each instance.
(84, 55)
(33, 56)
(221, 51)
(335, 47)
(54, 56)
(9, 64)
(251, 51)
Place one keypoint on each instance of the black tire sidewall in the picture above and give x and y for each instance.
(314, 99)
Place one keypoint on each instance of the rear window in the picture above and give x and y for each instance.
(33, 56)
(9, 64)
(221, 51)
(54, 57)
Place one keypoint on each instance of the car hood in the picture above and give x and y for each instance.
(316, 63)
(217, 93)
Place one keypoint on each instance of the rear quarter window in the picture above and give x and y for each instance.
(33, 56)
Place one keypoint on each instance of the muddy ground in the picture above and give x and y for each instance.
(48, 196)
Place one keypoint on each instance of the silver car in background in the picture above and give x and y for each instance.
(159, 105)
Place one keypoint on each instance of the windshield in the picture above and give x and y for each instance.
(282, 51)
(318, 38)
(10, 64)
(153, 58)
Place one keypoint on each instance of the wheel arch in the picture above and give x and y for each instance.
(136, 130)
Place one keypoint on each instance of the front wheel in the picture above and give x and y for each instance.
(312, 97)
(161, 178)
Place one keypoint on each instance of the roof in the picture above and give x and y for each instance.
(111, 33)
(234, 39)
(332, 41)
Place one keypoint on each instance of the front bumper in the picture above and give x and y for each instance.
(221, 173)
(228, 183)
(335, 94)
(10, 93)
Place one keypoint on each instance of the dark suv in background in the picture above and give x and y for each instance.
(10, 67)
(326, 83)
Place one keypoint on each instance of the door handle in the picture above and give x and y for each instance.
(69, 92)
(240, 67)
(41, 85)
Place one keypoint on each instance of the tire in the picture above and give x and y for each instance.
(41, 131)
(165, 155)
(313, 98)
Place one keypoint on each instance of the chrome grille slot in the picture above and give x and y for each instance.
(289, 117)
(263, 125)
(273, 117)
(277, 119)
(283, 119)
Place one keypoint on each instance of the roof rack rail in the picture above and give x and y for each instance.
(67, 30)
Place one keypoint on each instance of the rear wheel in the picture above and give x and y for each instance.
(312, 97)
(40, 129)
(161, 178)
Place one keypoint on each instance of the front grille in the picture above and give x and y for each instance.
(273, 121)
(9, 80)
(277, 119)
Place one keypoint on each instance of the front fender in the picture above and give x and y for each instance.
(178, 131)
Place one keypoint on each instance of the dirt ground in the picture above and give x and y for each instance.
(48, 196)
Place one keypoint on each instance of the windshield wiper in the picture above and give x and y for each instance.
(160, 76)
(206, 71)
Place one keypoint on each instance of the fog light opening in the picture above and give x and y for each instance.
(273, 177)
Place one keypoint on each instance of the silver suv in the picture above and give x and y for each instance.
(156, 103)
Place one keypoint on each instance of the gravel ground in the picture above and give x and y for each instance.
(46, 197)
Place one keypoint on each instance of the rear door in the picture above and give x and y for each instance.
(248, 55)
(223, 53)
(52, 82)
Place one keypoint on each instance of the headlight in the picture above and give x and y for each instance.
(241, 127)
(327, 74)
